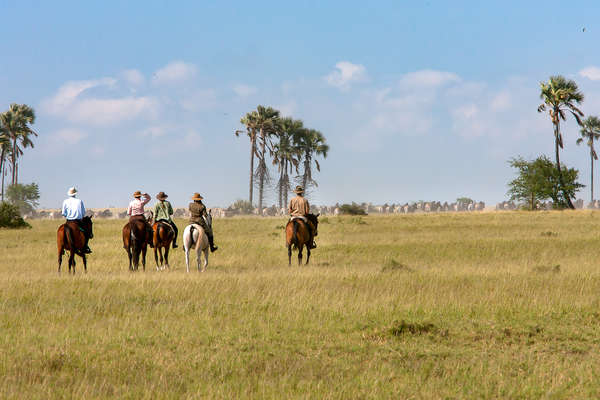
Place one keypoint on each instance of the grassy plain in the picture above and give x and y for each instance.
(491, 305)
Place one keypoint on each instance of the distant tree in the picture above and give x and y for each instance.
(560, 95)
(24, 197)
(464, 200)
(10, 218)
(242, 206)
(286, 156)
(590, 131)
(352, 209)
(16, 124)
(5, 153)
(311, 143)
(540, 180)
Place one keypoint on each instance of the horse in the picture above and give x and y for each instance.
(194, 237)
(70, 237)
(162, 238)
(135, 241)
(297, 235)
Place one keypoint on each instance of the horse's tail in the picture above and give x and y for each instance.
(68, 237)
(295, 233)
(192, 241)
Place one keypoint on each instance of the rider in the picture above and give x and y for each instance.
(136, 212)
(163, 211)
(298, 209)
(74, 210)
(197, 211)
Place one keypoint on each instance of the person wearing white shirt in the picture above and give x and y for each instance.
(74, 210)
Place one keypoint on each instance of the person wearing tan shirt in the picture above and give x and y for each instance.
(298, 208)
(197, 213)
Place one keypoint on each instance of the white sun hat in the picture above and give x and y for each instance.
(72, 191)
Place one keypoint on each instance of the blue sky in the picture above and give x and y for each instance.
(422, 100)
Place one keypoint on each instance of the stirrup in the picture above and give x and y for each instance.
(175, 245)
(87, 250)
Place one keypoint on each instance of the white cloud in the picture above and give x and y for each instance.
(70, 136)
(501, 102)
(592, 73)
(429, 77)
(346, 74)
(198, 100)
(287, 109)
(133, 76)
(68, 92)
(175, 72)
(244, 90)
(110, 111)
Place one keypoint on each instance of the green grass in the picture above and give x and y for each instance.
(492, 305)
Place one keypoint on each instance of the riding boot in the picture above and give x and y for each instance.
(86, 248)
(174, 237)
(211, 242)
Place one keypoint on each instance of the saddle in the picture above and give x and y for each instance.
(165, 222)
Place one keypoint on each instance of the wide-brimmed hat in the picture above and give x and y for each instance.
(161, 196)
(299, 189)
(197, 196)
(72, 191)
(137, 193)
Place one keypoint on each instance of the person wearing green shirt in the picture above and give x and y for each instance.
(163, 212)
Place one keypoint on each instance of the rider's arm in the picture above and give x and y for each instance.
(82, 209)
(129, 209)
(64, 209)
(147, 199)
(170, 208)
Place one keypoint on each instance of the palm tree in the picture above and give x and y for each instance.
(560, 95)
(5, 151)
(248, 120)
(16, 123)
(286, 156)
(590, 131)
(311, 143)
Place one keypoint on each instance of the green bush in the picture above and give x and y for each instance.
(10, 217)
(242, 206)
(352, 209)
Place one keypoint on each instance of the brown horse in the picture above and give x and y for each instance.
(135, 241)
(298, 236)
(70, 237)
(162, 238)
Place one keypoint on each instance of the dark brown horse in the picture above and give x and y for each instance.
(135, 241)
(298, 236)
(162, 238)
(70, 237)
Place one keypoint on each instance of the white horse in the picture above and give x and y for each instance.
(194, 237)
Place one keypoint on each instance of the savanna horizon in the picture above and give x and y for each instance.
(473, 305)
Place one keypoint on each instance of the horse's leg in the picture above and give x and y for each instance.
(129, 255)
(144, 248)
(307, 254)
(187, 258)
(205, 259)
(84, 262)
(61, 251)
(156, 257)
(72, 261)
(300, 254)
(289, 255)
(167, 255)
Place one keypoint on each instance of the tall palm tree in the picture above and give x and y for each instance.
(286, 156)
(560, 95)
(16, 122)
(267, 122)
(248, 121)
(590, 131)
(311, 143)
(5, 151)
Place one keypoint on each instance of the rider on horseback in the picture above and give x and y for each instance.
(74, 210)
(136, 212)
(198, 211)
(298, 209)
(163, 211)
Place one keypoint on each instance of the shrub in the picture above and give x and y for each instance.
(242, 206)
(352, 209)
(10, 217)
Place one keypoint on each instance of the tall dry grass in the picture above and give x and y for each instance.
(493, 305)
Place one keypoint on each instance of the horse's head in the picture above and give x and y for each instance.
(149, 215)
(314, 219)
(86, 225)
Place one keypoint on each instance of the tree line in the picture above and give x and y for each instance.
(292, 148)
(539, 179)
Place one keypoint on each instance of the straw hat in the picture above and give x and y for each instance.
(299, 190)
(72, 191)
(197, 196)
(161, 196)
(137, 193)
